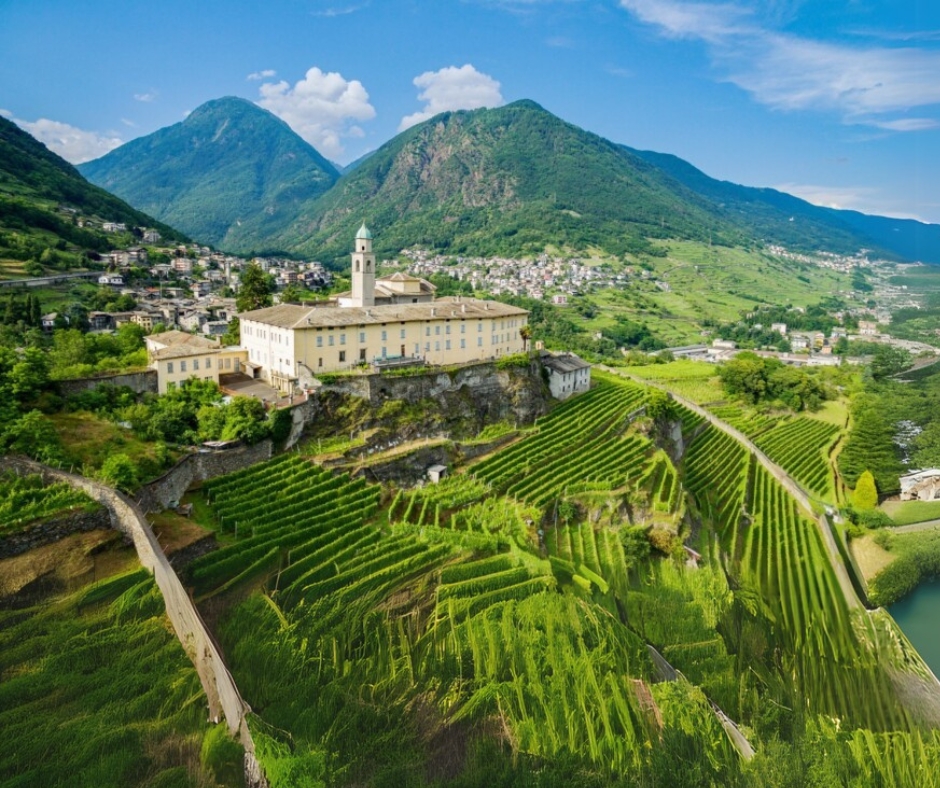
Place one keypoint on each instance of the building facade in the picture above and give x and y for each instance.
(290, 345)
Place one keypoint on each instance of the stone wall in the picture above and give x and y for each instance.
(197, 467)
(225, 702)
(53, 529)
(143, 382)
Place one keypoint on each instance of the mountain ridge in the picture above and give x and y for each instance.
(229, 174)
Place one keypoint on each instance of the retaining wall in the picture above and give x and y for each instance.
(198, 467)
(225, 702)
(143, 382)
(52, 530)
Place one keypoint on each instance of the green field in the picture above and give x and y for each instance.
(520, 596)
(909, 512)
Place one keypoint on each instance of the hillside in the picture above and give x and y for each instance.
(42, 200)
(231, 175)
(787, 220)
(511, 180)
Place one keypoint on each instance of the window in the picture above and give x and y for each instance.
(479, 341)
(362, 336)
(403, 333)
(320, 361)
(342, 356)
(384, 335)
(169, 367)
(437, 344)
(208, 363)
(319, 341)
(437, 330)
(479, 326)
(463, 344)
(384, 352)
(332, 340)
(427, 331)
(447, 344)
(463, 328)
(427, 347)
(447, 329)
(182, 366)
(342, 339)
(362, 354)
(195, 364)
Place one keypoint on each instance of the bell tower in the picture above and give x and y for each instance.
(363, 269)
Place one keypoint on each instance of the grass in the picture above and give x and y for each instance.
(97, 691)
(90, 440)
(909, 512)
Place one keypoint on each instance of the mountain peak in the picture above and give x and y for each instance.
(229, 174)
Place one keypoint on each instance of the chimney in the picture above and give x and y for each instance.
(433, 311)
(463, 308)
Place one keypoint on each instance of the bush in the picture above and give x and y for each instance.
(865, 496)
(119, 471)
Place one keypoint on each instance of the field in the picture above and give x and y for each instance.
(543, 593)
(97, 691)
(25, 499)
(909, 512)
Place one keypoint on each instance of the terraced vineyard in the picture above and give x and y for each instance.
(801, 447)
(517, 602)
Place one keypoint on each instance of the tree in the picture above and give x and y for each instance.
(119, 471)
(866, 493)
(525, 334)
(232, 335)
(35, 436)
(254, 290)
(29, 375)
(290, 294)
(889, 361)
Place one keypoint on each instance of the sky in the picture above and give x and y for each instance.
(835, 101)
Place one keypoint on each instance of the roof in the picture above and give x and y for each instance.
(457, 308)
(181, 338)
(184, 351)
(364, 232)
(564, 362)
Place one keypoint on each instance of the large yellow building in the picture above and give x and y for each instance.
(290, 345)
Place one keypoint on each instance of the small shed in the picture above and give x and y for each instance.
(436, 473)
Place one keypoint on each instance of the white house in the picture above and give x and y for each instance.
(178, 356)
(567, 374)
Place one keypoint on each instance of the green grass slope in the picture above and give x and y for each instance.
(35, 184)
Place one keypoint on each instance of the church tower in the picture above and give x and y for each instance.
(363, 269)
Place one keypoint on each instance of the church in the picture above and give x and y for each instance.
(395, 321)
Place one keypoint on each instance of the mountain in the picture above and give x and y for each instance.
(784, 219)
(231, 175)
(503, 181)
(43, 200)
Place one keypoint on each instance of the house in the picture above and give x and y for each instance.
(780, 328)
(178, 356)
(567, 374)
(799, 342)
(113, 280)
(151, 237)
(724, 344)
(921, 485)
(560, 300)
(288, 345)
(114, 227)
(868, 328)
(50, 321)
(99, 321)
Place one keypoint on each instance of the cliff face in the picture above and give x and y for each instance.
(457, 404)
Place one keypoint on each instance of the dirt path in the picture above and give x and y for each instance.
(789, 484)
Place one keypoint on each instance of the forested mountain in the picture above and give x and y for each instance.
(231, 175)
(44, 203)
(784, 219)
(511, 180)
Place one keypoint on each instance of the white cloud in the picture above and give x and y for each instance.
(336, 11)
(264, 74)
(5, 113)
(321, 108)
(453, 88)
(864, 84)
(72, 144)
(146, 97)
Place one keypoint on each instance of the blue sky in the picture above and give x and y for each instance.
(837, 102)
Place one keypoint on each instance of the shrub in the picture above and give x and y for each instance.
(865, 496)
(223, 756)
(119, 471)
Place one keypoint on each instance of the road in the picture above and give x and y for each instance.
(789, 484)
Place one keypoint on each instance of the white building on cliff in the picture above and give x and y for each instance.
(392, 320)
